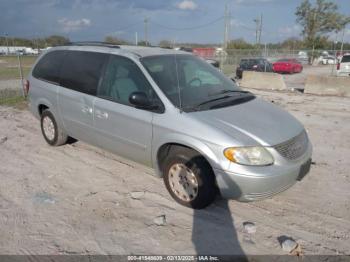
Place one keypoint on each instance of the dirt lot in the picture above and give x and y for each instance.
(77, 199)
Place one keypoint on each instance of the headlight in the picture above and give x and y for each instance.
(251, 156)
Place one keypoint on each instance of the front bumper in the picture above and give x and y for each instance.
(262, 182)
(343, 73)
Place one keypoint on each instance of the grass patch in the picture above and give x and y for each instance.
(9, 68)
(7, 73)
(13, 60)
(18, 102)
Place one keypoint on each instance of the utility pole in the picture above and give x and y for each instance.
(257, 29)
(146, 31)
(7, 43)
(136, 39)
(342, 41)
(260, 29)
(225, 28)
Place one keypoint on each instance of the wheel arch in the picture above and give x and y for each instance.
(163, 149)
(40, 105)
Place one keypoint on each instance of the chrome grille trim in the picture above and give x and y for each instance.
(293, 148)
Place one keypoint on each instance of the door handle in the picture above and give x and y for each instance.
(86, 109)
(103, 115)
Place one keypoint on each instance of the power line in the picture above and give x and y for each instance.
(188, 28)
(129, 26)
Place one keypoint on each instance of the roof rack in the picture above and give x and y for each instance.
(93, 43)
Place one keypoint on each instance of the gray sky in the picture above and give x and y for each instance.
(94, 19)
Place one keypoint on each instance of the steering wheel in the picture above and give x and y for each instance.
(193, 80)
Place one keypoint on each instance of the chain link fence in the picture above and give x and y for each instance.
(13, 70)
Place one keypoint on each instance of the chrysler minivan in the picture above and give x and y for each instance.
(173, 112)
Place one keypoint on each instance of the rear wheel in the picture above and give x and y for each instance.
(189, 178)
(53, 134)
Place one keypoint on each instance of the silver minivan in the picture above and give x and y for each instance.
(171, 111)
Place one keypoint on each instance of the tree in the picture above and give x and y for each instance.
(165, 44)
(318, 20)
(239, 44)
(143, 43)
(292, 43)
(116, 41)
(54, 40)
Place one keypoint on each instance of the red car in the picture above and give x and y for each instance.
(287, 66)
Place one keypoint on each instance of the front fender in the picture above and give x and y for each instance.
(208, 150)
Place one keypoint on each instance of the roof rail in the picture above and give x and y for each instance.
(93, 43)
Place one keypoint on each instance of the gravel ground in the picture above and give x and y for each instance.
(78, 199)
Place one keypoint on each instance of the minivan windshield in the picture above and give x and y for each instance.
(191, 83)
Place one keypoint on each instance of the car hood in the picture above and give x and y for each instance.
(254, 122)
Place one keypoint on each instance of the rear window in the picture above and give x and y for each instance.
(346, 59)
(81, 71)
(48, 67)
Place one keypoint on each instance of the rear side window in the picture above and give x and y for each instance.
(81, 71)
(48, 67)
(346, 59)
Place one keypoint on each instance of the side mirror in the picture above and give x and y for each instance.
(140, 100)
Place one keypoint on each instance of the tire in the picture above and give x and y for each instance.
(52, 133)
(187, 160)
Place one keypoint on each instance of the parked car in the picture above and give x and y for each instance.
(253, 64)
(287, 66)
(329, 60)
(303, 57)
(171, 111)
(213, 62)
(343, 67)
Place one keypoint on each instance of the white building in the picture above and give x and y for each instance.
(18, 50)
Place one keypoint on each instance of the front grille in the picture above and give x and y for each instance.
(293, 148)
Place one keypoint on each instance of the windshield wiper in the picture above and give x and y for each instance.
(225, 91)
(198, 106)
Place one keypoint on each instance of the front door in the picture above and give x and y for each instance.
(122, 128)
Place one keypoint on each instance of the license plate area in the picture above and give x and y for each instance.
(304, 169)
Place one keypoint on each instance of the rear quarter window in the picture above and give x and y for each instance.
(81, 71)
(49, 66)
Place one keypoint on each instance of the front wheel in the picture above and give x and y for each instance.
(189, 178)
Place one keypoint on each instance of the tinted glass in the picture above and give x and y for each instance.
(346, 59)
(81, 71)
(189, 78)
(48, 68)
(123, 77)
